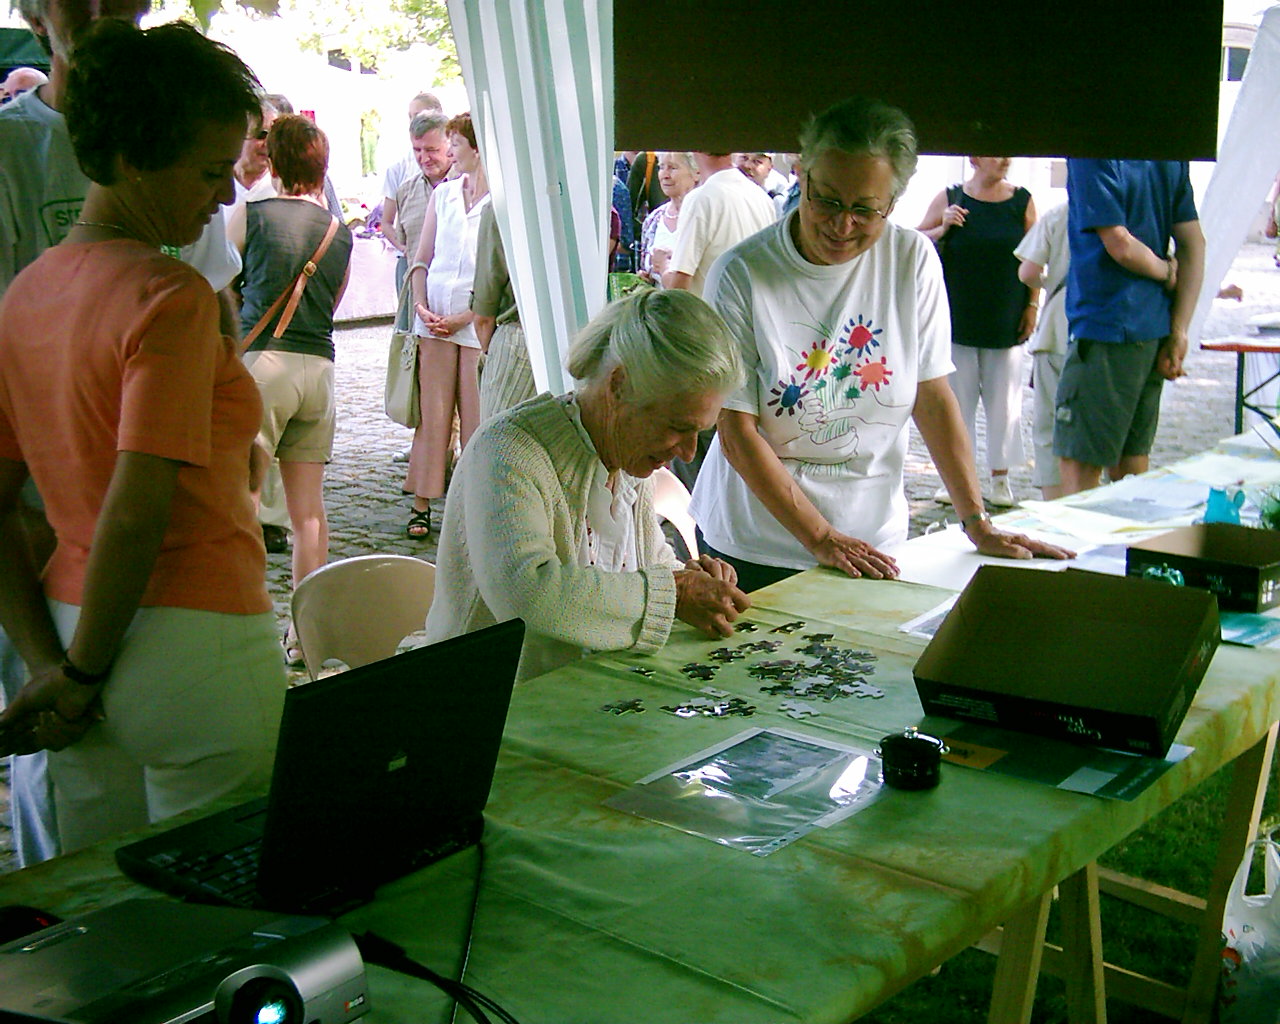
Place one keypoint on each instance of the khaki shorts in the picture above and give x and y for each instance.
(297, 404)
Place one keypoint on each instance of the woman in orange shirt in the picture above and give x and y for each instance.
(156, 679)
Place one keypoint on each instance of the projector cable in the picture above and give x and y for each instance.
(377, 950)
(381, 951)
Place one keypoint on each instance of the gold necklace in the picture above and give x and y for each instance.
(100, 224)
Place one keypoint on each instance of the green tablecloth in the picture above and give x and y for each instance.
(590, 914)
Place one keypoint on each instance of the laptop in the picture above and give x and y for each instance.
(379, 771)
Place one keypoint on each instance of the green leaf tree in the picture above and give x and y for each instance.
(364, 30)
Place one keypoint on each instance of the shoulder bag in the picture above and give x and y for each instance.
(400, 396)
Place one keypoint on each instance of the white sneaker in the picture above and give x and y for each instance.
(401, 456)
(941, 496)
(999, 492)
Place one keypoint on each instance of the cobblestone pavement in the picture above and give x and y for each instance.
(368, 511)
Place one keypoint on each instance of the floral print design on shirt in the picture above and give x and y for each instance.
(834, 375)
(787, 395)
(861, 337)
(873, 374)
(817, 360)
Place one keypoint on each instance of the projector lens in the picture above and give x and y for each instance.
(265, 1001)
(275, 1012)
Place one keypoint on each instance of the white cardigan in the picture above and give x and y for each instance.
(514, 522)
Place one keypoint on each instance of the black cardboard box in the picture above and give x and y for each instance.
(1110, 661)
(1240, 564)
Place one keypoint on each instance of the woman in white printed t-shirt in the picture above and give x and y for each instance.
(841, 318)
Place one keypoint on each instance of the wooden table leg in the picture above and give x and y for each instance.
(1082, 947)
(1021, 948)
(1249, 778)
(1018, 966)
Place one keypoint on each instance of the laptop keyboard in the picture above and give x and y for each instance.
(227, 876)
(206, 863)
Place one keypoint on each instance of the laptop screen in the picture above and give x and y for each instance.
(382, 768)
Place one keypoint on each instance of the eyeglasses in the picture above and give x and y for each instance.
(830, 208)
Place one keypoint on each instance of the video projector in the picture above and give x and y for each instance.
(151, 961)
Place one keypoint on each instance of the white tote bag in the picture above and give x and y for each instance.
(1249, 992)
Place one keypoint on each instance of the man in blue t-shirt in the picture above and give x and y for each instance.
(1128, 306)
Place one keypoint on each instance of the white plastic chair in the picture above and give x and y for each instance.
(358, 610)
(671, 502)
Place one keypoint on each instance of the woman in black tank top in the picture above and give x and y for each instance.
(976, 227)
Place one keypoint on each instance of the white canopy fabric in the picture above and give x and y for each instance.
(539, 75)
(1248, 160)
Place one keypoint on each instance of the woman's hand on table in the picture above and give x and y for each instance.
(708, 603)
(997, 543)
(853, 557)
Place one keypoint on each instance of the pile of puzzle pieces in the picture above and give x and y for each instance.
(835, 672)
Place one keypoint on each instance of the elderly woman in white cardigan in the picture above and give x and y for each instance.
(550, 513)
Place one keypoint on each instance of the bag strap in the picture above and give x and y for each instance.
(293, 291)
(406, 287)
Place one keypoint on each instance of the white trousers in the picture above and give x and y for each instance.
(192, 713)
(1048, 368)
(993, 375)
